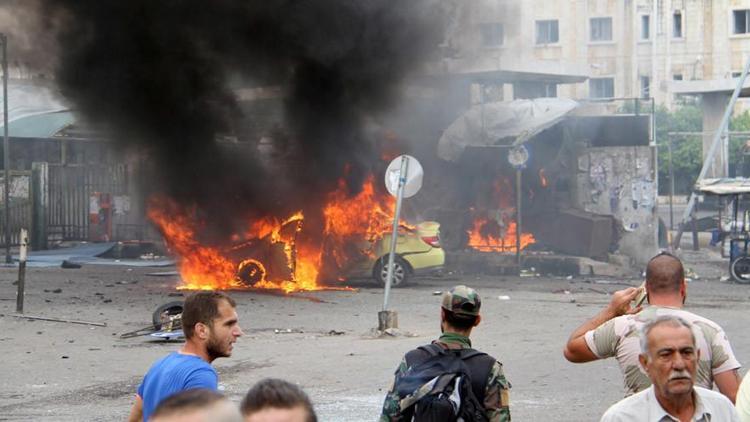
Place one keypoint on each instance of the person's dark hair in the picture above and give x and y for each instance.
(670, 320)
(664, 274)
(277, 393)
(461, 322)
(186, 400)
(202, 307)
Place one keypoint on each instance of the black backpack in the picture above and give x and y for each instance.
(444, 385)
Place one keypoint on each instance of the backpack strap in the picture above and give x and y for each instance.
(480, 365)
(422, 353)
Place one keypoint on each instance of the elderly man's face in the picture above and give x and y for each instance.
(671, 359)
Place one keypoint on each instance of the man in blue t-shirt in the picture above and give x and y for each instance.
(211, 328)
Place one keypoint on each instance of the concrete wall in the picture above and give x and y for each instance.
(619, 181)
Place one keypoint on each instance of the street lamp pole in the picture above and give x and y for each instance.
(6, 149)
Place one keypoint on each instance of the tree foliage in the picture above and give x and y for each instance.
(687, 151)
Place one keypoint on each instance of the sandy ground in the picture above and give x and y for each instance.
(67, 372)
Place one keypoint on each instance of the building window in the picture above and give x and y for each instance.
(677, 77)
(736, 74)
(677, 24)
(493, 34)
(529, 90)
(601, 29)
(645, 27)
(491, 93)
(741, 21)
(645, 87)
(547, 32)
(601, 87)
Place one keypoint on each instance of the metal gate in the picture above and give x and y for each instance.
(70, 191)
(20, 217)
(19, 213)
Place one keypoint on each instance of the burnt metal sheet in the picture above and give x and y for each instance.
(583, 234)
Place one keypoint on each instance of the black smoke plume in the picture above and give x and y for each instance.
(161, 75)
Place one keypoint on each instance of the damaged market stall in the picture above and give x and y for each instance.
(734, 229)
(586, 189)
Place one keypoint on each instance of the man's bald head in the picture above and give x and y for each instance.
(664, 274)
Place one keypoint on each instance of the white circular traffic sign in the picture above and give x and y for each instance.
(518, 156)
(412, 179)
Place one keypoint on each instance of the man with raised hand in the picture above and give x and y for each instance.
(613, 332)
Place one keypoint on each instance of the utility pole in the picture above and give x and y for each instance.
(6, 149)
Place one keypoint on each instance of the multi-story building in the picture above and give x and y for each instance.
(630, 48)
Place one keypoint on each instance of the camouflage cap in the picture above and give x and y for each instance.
(462, 300)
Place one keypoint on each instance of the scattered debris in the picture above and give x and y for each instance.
(602, 292)
(391, 332)
(690, 273)
(503, 297)
(606, 282)
(437, 293)
(282, 331)
(163, 274)
(70, 265)
(53, 291)
(69, 321)
(168, 335)
(335, 333)
(530, 272)
(724, 278)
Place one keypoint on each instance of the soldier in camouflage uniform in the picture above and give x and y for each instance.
(614, 331)
(460, 307)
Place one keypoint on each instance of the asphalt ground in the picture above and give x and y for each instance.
(322, 340)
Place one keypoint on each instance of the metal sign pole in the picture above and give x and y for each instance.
(22, 271)
(402, 174)
(518, 219)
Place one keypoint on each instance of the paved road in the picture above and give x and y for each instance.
(66, 372)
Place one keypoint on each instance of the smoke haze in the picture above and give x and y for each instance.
(160, 75)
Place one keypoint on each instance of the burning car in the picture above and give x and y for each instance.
(418, 252)
(274, 257)
(348, 238)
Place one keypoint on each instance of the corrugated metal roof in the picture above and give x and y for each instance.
(34, 110)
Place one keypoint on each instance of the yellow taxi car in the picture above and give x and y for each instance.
(418, 252)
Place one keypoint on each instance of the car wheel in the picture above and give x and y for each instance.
(400, 271)
(250, 272)
(162, 313)
(739, 269)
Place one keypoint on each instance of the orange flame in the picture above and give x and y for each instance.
(488, 236)
(348, 221)
(498, 234)
(344, 216)
(201, 267)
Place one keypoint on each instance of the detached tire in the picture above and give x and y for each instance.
(739, 269)
(400, 271)
(167, 310)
